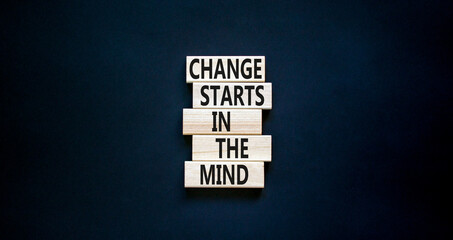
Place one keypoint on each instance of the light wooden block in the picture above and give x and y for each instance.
(231, 148)
(225, 69)
(223, 174)
(241, 121)
(232, 95)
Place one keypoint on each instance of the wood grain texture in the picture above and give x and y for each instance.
(232, 95)
(206, 148)
(196, 69)
(209, 175)
(242, 121)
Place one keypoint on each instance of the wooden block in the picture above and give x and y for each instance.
(223, 174)
(232, 148)
(232, 95)
(225, 69)
(218, 121)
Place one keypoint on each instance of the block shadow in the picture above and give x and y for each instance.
(223, 193)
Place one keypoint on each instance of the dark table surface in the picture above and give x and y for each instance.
(92, 97)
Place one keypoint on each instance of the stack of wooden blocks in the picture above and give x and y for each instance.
(229, 94)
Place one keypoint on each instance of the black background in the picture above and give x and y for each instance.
(92, 97)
